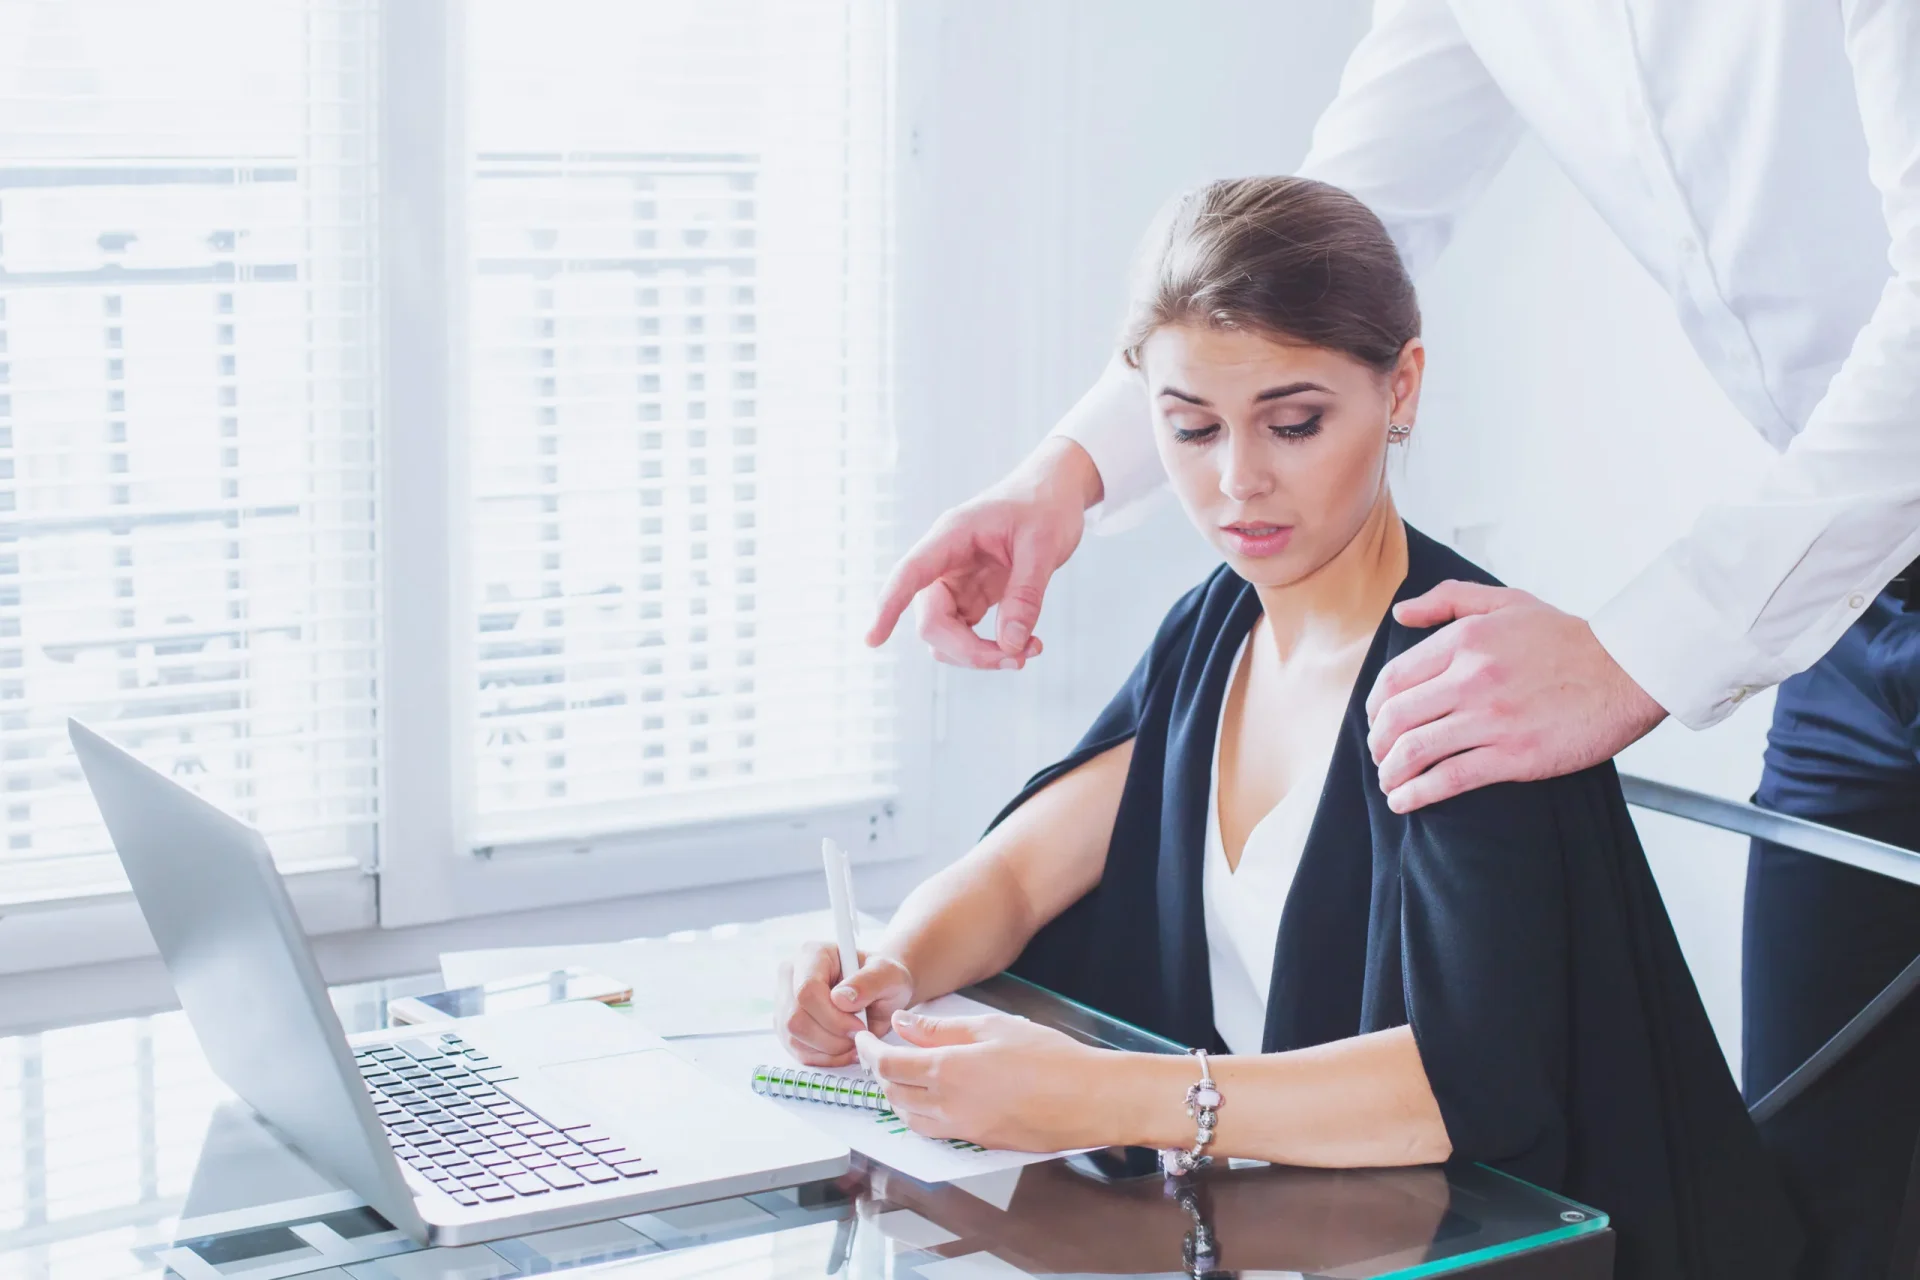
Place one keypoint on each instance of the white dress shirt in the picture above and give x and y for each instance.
(1762, 161)
(1243, 903)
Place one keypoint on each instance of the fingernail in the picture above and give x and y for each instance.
(843, 992)
(1009, 664)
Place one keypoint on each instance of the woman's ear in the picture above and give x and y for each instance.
(1404, 384)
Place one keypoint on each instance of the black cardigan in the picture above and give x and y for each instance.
(1516, 928)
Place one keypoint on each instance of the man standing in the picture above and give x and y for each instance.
(1763, 163)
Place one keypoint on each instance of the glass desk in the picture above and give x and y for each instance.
(122, 1156)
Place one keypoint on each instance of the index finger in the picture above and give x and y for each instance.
(1416, 666)
(917, 570)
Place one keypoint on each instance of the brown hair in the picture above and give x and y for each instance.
(1293, 258)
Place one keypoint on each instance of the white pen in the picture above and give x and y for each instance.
(840, 898)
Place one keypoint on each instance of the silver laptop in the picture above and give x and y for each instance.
(457, 1132)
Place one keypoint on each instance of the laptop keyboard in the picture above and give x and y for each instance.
(449, 1111)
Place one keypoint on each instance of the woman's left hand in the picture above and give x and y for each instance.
(994, 1079)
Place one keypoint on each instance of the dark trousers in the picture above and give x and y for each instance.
(1821, 939)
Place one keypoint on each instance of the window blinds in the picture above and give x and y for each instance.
(676, 404)
(186, 418)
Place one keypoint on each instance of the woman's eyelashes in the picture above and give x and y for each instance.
(1283, 430)
(1297, 430)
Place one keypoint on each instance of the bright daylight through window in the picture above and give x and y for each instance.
(187, 436)
(676, 389)
(669, 439)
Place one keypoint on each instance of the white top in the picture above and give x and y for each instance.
(1243, 904)
(1766, 171)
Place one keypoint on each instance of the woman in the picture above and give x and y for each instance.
(1492, 978)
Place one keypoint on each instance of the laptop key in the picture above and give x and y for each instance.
(598, 1173)
(600, 1145)
(520, 1150)
(478, 1178)
(492, 1129)
(551, 1140)
(462, 1196)
(525, 1183)
(560, 1176)
(495, 1192)
(539, 1160)
(462, 1169)
(436, 1149)
(633, 1168)
(492, 1159)
(577, 1160)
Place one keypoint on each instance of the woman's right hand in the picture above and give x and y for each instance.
(819, 1011)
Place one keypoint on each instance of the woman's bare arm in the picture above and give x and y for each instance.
(974, 917)
(967, 921)
(1006, 1082)
(1352, 1103)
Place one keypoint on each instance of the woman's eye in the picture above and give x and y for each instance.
(1298, 430)
(1194, 435)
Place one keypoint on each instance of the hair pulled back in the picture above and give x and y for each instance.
(1295, 259)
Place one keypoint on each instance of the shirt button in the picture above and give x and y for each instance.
(1856, 601)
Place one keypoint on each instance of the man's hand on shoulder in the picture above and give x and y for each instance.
(1511, 690)
(997, 549)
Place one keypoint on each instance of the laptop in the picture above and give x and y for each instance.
(456, 1132)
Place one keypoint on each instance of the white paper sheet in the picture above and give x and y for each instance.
(715, 982)
(881, 1136)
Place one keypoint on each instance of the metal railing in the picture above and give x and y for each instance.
(1822, 842)
(1782, 829)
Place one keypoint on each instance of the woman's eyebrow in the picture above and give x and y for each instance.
(1189, 397)
(1291, 389)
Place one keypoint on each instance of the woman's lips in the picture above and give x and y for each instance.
(1253, 539)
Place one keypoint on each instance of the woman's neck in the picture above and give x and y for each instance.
(1342, 601)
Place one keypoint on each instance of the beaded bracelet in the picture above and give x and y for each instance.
(1203, 1105)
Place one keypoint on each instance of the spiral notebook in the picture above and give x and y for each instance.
(804, 1085)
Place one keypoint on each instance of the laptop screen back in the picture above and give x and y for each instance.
(227, 932)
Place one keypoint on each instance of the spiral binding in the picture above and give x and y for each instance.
(819, 1086)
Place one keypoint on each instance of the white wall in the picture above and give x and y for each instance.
(1567, 434)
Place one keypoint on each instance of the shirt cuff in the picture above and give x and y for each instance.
(1678, 649)
(1112, 423)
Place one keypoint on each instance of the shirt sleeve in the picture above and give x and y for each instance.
(1760, 589)
(1417, 130)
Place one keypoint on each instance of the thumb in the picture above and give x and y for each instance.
(1448, 601)
(1020, 603)
(877, 978)
(929, 1032)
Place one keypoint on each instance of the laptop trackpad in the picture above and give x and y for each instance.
(659, 1106)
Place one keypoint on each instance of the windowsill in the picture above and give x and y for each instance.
(128, 987)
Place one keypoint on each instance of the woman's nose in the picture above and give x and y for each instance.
(1244, 475)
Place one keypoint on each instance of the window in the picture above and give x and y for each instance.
(187, 432)
(676, 219)
(563, 537)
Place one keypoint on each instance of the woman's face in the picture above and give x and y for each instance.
(1278, 451)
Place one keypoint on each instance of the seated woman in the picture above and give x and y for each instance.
(1492, 978)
